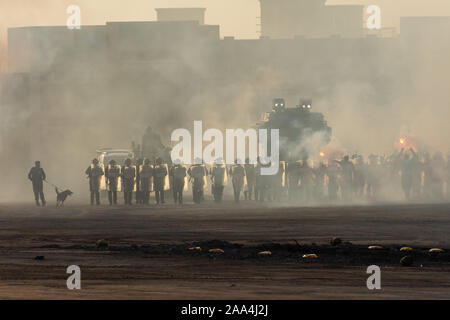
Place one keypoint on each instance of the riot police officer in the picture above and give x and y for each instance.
(218, 179)
(146, 174)
(128, 179)
(347, 177)
(178, 174)
(112, 174)
(197, 174)
(250, 172)
(139, 197)
(95, 173)
(159, 180)
(237, 174)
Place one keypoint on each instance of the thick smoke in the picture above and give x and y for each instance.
(369, 95)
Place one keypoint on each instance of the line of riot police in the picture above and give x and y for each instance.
(420, 177)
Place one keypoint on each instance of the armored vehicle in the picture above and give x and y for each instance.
(299, 127)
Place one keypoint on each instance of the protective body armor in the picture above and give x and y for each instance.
(159, 177)
(250, 172)
(95, 173)
(146, 176)
(128, 175)
(179, 176)
(198, 174)
(146, 171)
(238, 176)
(113, 176)
(219, 175)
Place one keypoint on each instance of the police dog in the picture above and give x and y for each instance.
(61, 197)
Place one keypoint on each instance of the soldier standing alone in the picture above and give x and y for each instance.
(95, 173)
(37, 177)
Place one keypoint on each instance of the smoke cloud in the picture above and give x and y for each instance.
(369, 95)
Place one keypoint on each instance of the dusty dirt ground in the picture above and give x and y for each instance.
(147, 256)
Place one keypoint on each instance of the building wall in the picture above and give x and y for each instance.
(181, 14)
(309, 18)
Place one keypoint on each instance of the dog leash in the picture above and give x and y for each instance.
(53, 185)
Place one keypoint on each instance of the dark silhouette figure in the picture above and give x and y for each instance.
(197, 174)
(95, 173)
(237, 173)
(250, 172)
(218, 176)
(112, 174)
(37, 177)
(128, 178)
(146, 174)
(159, 180)
(178, 176)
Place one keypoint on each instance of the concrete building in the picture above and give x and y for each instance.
(38, 49)
(431, 28)
(309, 18)
(181, 14)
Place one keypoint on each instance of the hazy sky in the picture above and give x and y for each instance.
(236, 17)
